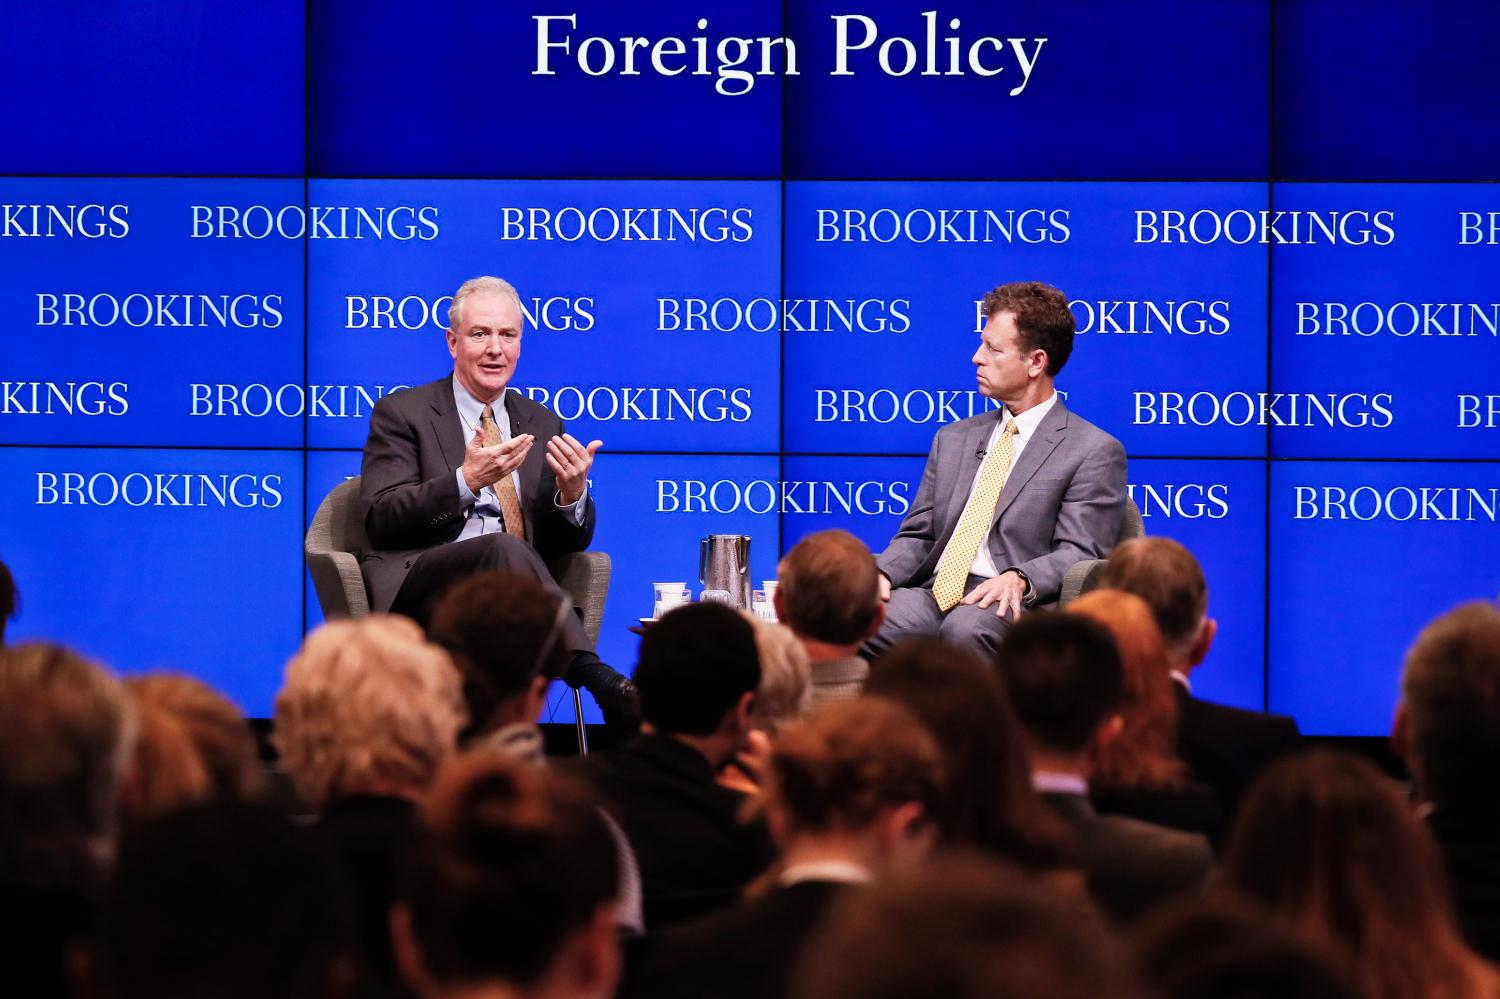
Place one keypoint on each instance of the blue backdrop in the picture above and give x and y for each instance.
(236, 225)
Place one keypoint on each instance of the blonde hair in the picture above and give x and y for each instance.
(785, 691)
(367, 705)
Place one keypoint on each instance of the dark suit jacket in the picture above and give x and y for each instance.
(748, 952)
(409, 495)
(1470, 841)
(694, 851)
(1193, 807)
(1061, 503)
(1131, 866)
(1226, 748)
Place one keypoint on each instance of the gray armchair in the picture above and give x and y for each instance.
(334, 536)
(1084, 576)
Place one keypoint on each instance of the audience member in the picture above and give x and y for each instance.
(65, 738)
(1138, 772)
(1327, 844)
(166, 771)
(849, 794)
(511, 889)
(228, 900)
(828, 593)
(217, 729)
(697, 676)
(989, 804)
(1223, 747)
(1448, 730)
(961, 928)
(507, 651)
(1064, 677)
(784, 695)
(368, 712)
(9, 598)
(1223, 949)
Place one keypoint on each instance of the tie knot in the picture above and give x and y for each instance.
(1011, 428)
(487, 414)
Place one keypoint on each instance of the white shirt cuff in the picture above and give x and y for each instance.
(573, 511)
(466, 496)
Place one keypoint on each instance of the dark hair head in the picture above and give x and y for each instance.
(695, 665)
(225, 899)
(496, 626)
(216, 728)
(1450, 691)
(960, 928)
(850, 761)
(513, 860)
(1042, 318)
(989, 804)
(1326, 842)
(8, 598)
(66, 731)
(1223, 949)
(830, 587)
(1165, 575)
(1064, 677)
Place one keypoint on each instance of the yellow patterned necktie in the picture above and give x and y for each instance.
(974, 526)
(505, 489)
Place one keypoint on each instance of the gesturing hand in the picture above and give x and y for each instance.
(570, 462)
(484, 466)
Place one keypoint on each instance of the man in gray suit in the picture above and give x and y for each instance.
(451, 484)
(1009, 499)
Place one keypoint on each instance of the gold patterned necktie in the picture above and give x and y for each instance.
(974, 525)
(505, 488)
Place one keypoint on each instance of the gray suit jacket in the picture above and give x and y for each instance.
(1062, 502)
(409, 494)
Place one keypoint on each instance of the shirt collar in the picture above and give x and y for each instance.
(1028, 421)
(1180, 678)
(471, 408)
(840, 871)
(1051, 782)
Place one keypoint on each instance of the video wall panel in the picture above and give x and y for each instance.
(750, 243)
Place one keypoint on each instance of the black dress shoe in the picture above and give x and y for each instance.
(614, 693)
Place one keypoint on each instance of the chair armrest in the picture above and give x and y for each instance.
(584, 576)
(339, 584)
(1079, 579)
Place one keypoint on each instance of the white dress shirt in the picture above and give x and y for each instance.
(484, 509)
(1026, 424)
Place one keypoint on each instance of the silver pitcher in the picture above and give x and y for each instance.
(724, 564)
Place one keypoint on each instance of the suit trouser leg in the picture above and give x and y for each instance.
(913, 613)
(437, 569)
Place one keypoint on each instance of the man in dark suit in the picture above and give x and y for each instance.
(1448, 730)
(1008, 500)
(451, 484)
(854, 791)
(1065, 679)
(697, 675)
(1224, 747)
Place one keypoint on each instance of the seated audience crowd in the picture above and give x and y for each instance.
(1065, 818)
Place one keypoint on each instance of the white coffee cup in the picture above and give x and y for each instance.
(669, 595)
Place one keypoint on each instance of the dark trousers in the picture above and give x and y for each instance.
(439, 568)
